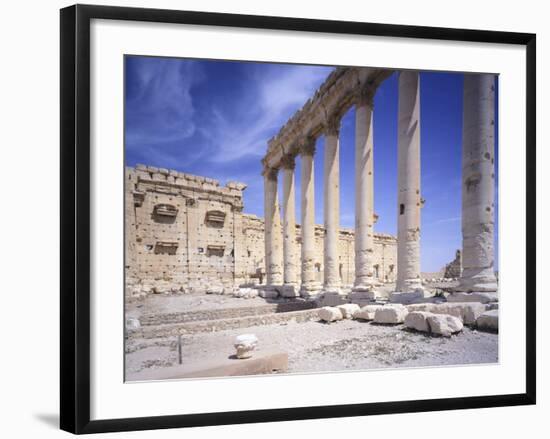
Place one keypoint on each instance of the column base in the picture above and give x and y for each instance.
(409, 286)
(332, 289)
(269, 291)
(310, 290)
(361, 297)
(290, 290)
(469, 285)
(364, 284)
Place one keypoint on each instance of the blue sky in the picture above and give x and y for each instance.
(214, 118)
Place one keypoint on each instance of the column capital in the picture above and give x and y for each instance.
(332, 124)
(288, 161)
(365, 96)
(270, 173)
(307, 146)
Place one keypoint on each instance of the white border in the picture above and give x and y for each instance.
(111, 398)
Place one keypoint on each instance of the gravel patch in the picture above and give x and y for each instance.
(319, 347)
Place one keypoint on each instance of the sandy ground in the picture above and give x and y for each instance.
(317, 347)
(159, 304)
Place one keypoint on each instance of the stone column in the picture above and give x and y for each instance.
(309, 285)
(409, 199)
(290, 287)
(363, 286)
(331, 208)
(273, 251)
(478, 184)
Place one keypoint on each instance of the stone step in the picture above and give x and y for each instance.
(193, 327)
(223, 313)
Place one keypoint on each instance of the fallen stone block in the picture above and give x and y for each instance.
(421, 307)
(245, 293)
(391, 314)
(367, 312)
(468, 312)
(214, 290)
(348, 310)
(488, 320)
(330, 314)
(444, 324)
(161, 289)
(418, 320)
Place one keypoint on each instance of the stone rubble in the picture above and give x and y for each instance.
(245, 293)
(467, 312)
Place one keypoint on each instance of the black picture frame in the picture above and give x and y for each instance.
(75, 217)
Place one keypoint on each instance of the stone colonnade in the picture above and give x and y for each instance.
(321, 116)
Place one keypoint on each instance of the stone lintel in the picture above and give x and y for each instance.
(338, 93)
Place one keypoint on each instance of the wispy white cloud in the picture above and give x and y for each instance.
(271, 100)
(159, 104)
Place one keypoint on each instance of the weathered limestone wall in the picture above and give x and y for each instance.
(180, 230)
(185, 232)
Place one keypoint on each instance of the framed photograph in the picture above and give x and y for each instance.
(275, 218)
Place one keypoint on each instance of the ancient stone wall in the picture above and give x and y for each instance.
(187, 233)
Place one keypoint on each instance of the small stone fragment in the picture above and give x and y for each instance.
(330, 314)
(418, 320)
(367, 312)
(214, 290)
(444, 324)
(245, 344)
(488, 320)
(391, 314)
(348, 310)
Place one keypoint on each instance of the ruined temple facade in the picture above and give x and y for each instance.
(188, 233)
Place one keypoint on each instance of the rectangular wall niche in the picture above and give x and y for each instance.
(215, 250)
(215, 218)
(166, 247)
(138, 198)
(166, 210)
